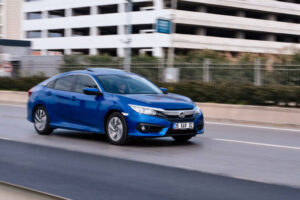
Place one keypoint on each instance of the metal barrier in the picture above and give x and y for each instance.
(253, 73)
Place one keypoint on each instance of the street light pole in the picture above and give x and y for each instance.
(127, 59)
(171, 49)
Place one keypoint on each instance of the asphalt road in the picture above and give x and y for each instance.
(228, 162)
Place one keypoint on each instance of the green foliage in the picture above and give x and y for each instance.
(226, 92)
(20, 84)
(231, 93)
(296, 58)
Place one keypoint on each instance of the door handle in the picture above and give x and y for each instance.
(49, 93)
(74, 98)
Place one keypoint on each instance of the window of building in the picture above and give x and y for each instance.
(34, 15)
(56, 13)
(110, 52)
(33, 34)
(56, 33)
(142, 28)
(142, 6)
(80, 51)
(81, 11)
(108, 9)
(108, 30)
(80, 32)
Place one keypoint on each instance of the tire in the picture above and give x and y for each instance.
(116, 129)
(41, 121)
(182, 138)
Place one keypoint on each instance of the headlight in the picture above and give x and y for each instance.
(145, 110)
(197, 110)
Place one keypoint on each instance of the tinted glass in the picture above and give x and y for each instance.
(51, 84)
(84, 82)
(64, 83)
(129, 84)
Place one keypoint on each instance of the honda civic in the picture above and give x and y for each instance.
(119, 104)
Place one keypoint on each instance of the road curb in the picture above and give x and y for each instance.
(24, 193)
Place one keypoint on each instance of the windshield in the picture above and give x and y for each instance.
(129, 84)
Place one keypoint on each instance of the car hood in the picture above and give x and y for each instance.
(164, 101)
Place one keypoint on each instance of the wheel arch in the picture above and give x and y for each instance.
(109, 113)
(37, 104)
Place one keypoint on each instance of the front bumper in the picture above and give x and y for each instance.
(135, 120)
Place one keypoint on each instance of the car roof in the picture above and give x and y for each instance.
(98, 71)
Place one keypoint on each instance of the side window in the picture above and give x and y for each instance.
(84, 82)
(51, 84)
(64, 83)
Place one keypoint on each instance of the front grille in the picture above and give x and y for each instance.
(172, 132)
(176, 118)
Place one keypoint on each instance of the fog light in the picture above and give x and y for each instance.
(143, 128)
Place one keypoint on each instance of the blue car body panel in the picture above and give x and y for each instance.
(78, 111)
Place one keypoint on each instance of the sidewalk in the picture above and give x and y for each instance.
(258, 115)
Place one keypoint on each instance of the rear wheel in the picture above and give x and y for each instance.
(116, 129)
(182, 138)
(41, 121)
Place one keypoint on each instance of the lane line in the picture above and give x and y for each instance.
(16, 105)
(254, 126)
(4, 138)
(257, 144)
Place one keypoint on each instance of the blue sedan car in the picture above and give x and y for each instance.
(112, 102)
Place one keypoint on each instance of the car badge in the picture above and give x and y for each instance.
(181, 115)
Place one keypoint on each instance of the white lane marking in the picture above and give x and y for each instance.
(4, 138)
(258, 144)
(253, 126)
(14, 105)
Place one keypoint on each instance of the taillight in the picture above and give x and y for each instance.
(30, 92)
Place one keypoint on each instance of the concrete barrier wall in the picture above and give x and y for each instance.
(259, 115)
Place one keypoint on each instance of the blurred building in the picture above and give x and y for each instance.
(11, 19)
(95, 27)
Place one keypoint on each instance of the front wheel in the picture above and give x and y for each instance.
(42, 121)
(116, 129)
(182, 138)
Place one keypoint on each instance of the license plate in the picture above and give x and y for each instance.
(181, 126)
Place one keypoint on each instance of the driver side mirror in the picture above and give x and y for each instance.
(92, 91)
(164, 90)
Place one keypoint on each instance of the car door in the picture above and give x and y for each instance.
(63, 98)
(87, 108)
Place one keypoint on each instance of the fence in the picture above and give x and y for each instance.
(253, 73)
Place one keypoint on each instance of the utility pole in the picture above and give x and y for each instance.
(127, 59)
(171, 50)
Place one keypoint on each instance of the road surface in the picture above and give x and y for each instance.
(228, 162)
